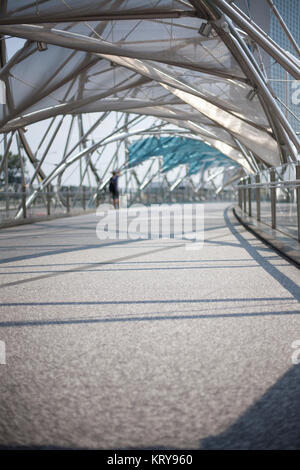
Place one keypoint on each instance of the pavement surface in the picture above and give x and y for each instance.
(145, 344)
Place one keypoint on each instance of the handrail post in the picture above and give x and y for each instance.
(245, 197)
(273, 198)
(257, 194)
(249, 197)
(24, 209)
(240, 196)
(83, 198)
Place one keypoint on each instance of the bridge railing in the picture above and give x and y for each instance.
(48, 203)
(273, 198)
(76, 200)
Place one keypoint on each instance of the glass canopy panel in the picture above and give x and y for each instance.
(29, 10)
(175, 151)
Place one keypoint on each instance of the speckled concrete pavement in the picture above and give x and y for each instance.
(145, 344)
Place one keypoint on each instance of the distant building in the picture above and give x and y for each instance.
(290, 12)
(260, 12)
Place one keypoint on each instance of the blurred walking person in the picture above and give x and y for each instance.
(114, 189)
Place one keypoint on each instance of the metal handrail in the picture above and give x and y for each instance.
(276, 184)
(245, 193)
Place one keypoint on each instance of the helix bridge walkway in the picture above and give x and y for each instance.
(146, 343)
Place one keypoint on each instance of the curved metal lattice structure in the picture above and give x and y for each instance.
(186, 69)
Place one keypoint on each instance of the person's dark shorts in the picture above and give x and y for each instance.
(115, 194)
